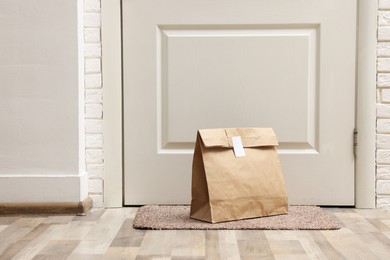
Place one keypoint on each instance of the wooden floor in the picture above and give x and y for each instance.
(108, 234)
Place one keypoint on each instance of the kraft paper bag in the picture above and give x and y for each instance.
(236, 174)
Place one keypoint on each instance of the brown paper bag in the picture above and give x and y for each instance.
(228, 187)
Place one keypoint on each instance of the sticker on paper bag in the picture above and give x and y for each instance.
(238, 148)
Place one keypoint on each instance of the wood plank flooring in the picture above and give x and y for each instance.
(108, 234)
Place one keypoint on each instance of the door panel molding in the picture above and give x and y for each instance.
(305, 37)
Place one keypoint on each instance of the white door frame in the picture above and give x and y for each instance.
(365, 104)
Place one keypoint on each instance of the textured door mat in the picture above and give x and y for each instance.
(178, 217)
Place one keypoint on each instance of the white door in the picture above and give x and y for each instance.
(285, 64)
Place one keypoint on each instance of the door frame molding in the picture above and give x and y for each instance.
(111, 33)
(365, 168)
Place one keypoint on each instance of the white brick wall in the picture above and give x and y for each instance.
(93, 101)
(383, 106)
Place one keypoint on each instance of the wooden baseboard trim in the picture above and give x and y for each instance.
(55, 208)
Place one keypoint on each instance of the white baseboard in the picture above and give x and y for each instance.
(29, 188)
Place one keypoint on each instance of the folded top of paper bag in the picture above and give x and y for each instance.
(251, 137)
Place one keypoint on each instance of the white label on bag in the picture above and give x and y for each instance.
(238, 148)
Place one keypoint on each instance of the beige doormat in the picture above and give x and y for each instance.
(178, 217)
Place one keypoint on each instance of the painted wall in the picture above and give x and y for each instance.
(42, 146)
(41, 131)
